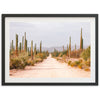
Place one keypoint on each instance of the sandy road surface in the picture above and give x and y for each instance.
(50, 67)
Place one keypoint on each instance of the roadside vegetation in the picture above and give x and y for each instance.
(79, 58)
(21, 55)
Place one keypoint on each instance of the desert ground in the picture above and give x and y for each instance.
(50, 67)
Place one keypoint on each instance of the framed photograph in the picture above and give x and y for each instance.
(49, 49)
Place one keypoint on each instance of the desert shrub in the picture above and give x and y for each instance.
(29, 54)
(60, 54)
(77, 63)
(47, 53)
(30, 62)
(38, 60)
(57, 58)
(41, 55)
(80, 66)
(11, 52)
(72, 64)
(87, 69)
(86, 54)
(80, 60)
(55, 53)
(17, 63)
(44, 55)
(69, 62)
(88, 62)
(64, 52)
(64, 56)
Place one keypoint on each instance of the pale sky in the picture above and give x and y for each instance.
(52, 34)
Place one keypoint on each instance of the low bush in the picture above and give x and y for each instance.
(69, 62)
(86, 54)
(64, 52)
(87, 69)
(58, 58)
(60, 54)
(77, 63)
(80, 66)
(80, 60)
(17, 63)
(88, 62)
(55, 53)
(72, 64)
(30, 62)
(41, 55)
(38, 60)
(64, 56)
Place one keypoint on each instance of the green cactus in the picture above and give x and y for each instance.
(82, 44)
(41, 47)
(70, 43)
(16, 45)
(32, 50)
(35, 53)
(67, 49)
(75, 50)
(28, 51)
(22, 43)
(70, 47)
(12, 47)
(81, 41)
(25, 41)
(25, 45)
(20, 46)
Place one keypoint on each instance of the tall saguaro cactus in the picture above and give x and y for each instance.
(32, 50)
(12, 47)
(67, 49)
(69, 46)
(20, 47)
(25, 41)
(81, 41)
(75, 50)
(41, 47)
(26, 45)
(28, 51)
(16, 50)
(22, 43)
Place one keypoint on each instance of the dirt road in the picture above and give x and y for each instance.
(50, 67)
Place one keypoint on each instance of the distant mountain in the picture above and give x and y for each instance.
(51, 49)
